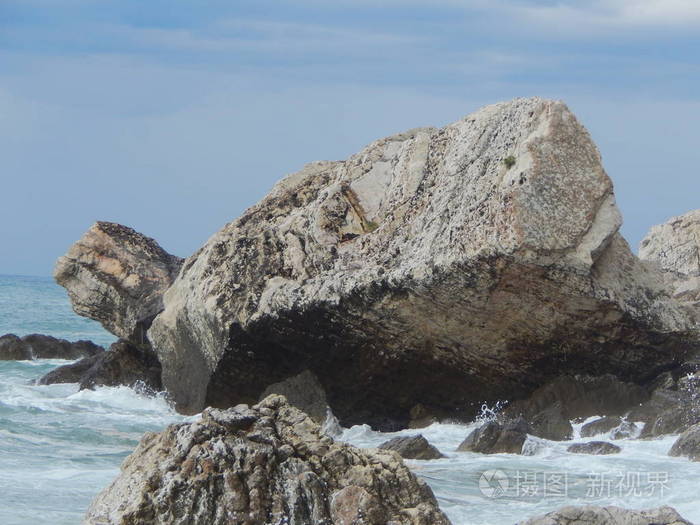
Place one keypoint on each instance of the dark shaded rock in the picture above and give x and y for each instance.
(117, 276)
(688, 444)
(592, 515)
(495, 437)
(275, 467)
(597, 448)
(305, 392)
(551, 424)
(625, 430)
(37, 346)
(600, 426)
(412, 447)
(424, 270)
(123, 364)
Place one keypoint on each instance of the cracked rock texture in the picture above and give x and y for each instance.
(117, 276)
(266, 464)
(591, 515)
(675, 247)
(422, 270)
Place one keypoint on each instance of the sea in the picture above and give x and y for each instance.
(59, 446)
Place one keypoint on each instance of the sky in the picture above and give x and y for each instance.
(174, 116)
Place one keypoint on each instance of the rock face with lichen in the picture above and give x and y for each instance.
(269, 463)
(117, 276)
(674, 246)
(424, 270)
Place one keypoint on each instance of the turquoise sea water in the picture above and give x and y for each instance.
(59, 447)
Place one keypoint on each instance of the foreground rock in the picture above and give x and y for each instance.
(495, 437)
(265, 464)
(596, 448)
(124, 364)
(675, 248)
(38, 346)
(412, 447)
(688, 444)
(117, 276)
(305, 392)
(486, 252)
(591, 515)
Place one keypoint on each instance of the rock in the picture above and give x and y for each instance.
(305, 392)
(37, 346)
(124, 364)
(426, 251)
(675, 248)
(600, 426)
(688, 444)
(412, 447)
(592, 515)
(495, 437)
(117, 276)
(625, 430)
(552, 424)
(597, 448)
(265, 464)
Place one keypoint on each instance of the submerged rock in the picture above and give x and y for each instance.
(688, 444)
(36, 346)
(495, 437)
(117, 276)
(123, 364)
(592, 515)
(597, 448)
(266, 464)
(412, 447)
(442, 267)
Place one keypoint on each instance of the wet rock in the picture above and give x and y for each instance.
(412, 447)
(123, 364)
(626, 429)
(269, 463)
(592, 515)
(117, 276)
(496, 437)
(688, 444)
(305, 392)
(37, 346)
(552, 424)
(426, 251)
(600, 426)
(597, 448)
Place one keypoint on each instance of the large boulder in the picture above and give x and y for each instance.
(305, 392)
(266, 464)
(592, 515)
(438, 266)
(688, 444)
(674, 246)
(37, 346)
(495, 437)
(412, 447)
(123, 364)
(117, 276)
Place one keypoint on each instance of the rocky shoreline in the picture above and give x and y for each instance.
(434, 271)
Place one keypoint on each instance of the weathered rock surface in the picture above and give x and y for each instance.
(592, 515)
(37, 346)
(305, 392)
(117, 276)
(675, 247)
(412, 447)
(123, 364)
(265, 464)
(597, 448)
(424, 269)
(688, 444)
(495, 437)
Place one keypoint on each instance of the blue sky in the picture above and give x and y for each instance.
(174, 116)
